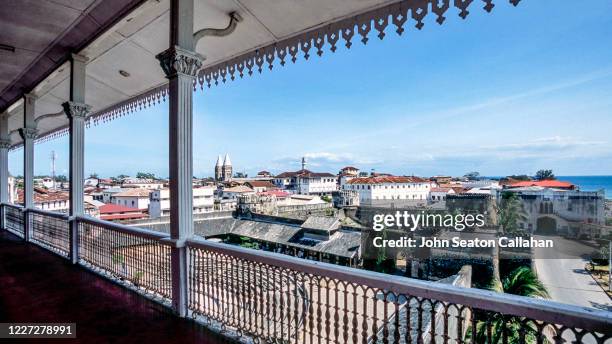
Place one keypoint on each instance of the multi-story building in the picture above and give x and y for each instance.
(134, 198)
(159, 201)
(234, 192)
(437, 194)
(107, 194)
(58, 201)
(562, 211)
(306, 182)
(389, 189)
(261, 185)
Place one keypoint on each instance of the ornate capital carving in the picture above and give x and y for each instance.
(180, 61)
(76, 110)
(5, 144)
(28, 133)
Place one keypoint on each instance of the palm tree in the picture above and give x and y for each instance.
(523, 282)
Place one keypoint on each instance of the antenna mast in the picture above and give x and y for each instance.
(53, 157)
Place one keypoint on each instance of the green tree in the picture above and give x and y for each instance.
(544, 175)
(61, 178)
(472, 175)
(521, 281)
(145, 175)
(509, 213)
(384, 264)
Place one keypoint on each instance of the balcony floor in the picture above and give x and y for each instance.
(38, 286)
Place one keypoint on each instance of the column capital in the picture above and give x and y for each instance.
(76, 110)
(28, 133)
(30, 96)
(79, 58)
(177, 60)
(6, 144)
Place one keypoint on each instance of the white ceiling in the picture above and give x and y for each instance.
(131, 45)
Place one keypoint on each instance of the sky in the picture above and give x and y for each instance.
(511, 92)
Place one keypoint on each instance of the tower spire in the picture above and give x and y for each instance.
(303, 163)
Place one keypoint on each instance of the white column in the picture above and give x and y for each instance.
(180, 64)
(5, 144)
(28, 134)
(77, 111)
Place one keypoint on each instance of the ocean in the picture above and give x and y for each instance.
(591, 183)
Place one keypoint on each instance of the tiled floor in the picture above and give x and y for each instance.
(37, 286)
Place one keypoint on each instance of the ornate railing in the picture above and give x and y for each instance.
(263, 296)
(276, 298)
(14, 219)
(132, 255)
(50, 230)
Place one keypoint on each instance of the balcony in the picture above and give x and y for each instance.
(249, 295)
(124, 283)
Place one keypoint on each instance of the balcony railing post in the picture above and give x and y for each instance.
(2, 216)
(27, 225)
(73, 223)
(179, 269)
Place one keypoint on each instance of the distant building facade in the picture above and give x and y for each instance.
(382, 189)
(133, 198)
(203, 201)
(306, 182)
(558, 211)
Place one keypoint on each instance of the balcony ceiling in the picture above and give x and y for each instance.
(35, 27)
(45, 32)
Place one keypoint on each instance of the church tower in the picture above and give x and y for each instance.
(226, 169)
(218, 169)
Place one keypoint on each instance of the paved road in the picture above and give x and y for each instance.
(568, 282)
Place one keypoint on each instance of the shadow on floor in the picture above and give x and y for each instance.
(38, 286)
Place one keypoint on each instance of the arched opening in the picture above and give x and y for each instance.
(546, 225)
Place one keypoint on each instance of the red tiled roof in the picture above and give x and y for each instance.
(349, 168)
(41, 195)
(544, 183)
(137, 192)
(277, 193)
(122, 216)
(260, 184)
(116, 208)
(386, 180)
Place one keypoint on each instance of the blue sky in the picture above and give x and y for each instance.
(503, 93)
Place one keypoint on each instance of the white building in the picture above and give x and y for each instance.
(234, 192)
(481, 183)
(388, 189)
(107, 194)
(306, 182)
(133, 198)
(550, 210)
(261, 185)
(437, 194)
(142, 183)
(159, 201)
